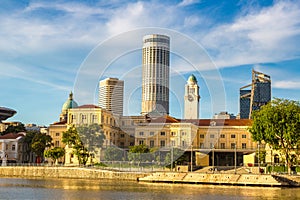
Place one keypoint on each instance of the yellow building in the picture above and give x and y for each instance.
(211, 141)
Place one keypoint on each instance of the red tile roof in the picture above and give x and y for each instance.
(88, 106)
(12, 135)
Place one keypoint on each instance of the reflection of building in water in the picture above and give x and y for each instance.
(255, 95)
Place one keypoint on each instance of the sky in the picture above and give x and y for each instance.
(49, 48)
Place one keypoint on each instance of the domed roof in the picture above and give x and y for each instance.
(70, 103)
(192, 79)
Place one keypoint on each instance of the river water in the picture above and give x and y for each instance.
(16, 188)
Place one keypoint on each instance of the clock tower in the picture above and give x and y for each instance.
(191, 99)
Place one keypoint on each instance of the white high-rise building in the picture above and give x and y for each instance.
(111, 95)
(191, 99)
(156, 61)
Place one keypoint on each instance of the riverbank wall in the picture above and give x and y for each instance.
(67, 172)
(221, 179)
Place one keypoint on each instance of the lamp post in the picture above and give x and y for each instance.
(191, 158)
(258, 159)
(172, 154)
(235, 157)
(213, 157)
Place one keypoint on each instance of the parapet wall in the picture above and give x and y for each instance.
(219, 179)
(67, 172)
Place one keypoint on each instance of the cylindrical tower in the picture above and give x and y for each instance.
(156, 61)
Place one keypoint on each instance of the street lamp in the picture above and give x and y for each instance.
(172, 154)
(235, 157)
(213, 157)
(191, 158)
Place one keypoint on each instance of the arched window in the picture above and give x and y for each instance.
(276, 158)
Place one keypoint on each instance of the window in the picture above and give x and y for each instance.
(183, 143)
(201, 135)
(83, 118)
(212, 136)
(141, 142)
(131, 143)
(162, 133)
(162, 143)
(56, 144)
(222, 136)
(183, 133)
(56, 134)
(232, 145)
(132, 136)
(123, 123)
(201, 145)
(13, 147)
(151, 133)
(122, 135)
(244, 146)
(151, 143)
(222, 145)
(244, 136)
(141, 133)
(173, 133)
(232, 136)
(172, 143)
(211, 145)
(94, 118)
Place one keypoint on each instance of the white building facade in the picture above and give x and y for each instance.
(191, 99)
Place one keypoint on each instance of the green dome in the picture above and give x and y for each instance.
(70, 103)
(192, 79)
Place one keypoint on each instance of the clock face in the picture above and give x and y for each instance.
(190, 98)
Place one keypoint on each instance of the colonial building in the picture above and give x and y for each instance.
(219, 141)
(13, 149)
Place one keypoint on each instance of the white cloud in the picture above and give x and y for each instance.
(287, 84)
(267, 35)
(188, 2)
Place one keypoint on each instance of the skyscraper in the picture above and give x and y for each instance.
(111, 95)
(258, 95)
(155, 83)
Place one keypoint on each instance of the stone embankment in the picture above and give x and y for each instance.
(220, 179)
(67, 172)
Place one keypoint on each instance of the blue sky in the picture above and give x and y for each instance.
(45, 45)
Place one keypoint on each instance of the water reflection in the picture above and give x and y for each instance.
(15, 188)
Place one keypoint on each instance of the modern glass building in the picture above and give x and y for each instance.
(258, 95)
(155, 83)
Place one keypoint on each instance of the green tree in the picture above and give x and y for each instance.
(28, 141)
(39, 143)
(139, 153)
(14, 129)
(92, 137)
(55, 153)
(70, 137)
(114, 154)
(278, 124)
(85, 140)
